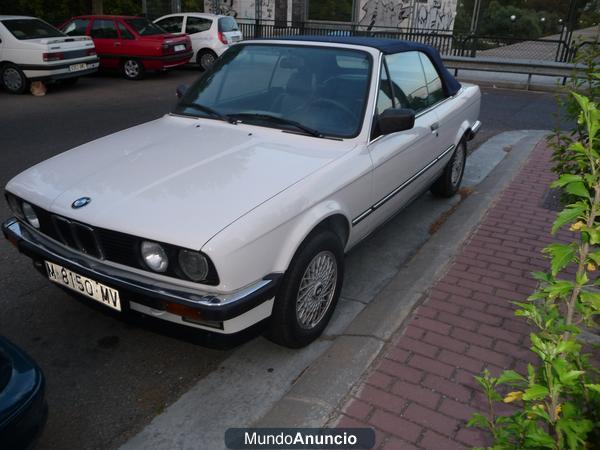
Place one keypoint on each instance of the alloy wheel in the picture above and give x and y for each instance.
(12, 79)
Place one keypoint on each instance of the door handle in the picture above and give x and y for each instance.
(117, 44)
(434, 126)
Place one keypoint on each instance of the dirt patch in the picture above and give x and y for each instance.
(435, 226)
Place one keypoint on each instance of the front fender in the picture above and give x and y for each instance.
(241, 258)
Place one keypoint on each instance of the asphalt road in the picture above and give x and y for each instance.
(108, 378)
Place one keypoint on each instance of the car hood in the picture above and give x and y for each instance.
(175, 180)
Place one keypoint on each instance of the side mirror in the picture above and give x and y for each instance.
(181, 90)
(396, 119)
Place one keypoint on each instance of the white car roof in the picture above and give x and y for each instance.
(195, 14)
(16, 17)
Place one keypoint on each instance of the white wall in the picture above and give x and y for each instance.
(435, 14)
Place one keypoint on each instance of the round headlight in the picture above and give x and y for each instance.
(154, 256)
(193, 264)
(30, 215)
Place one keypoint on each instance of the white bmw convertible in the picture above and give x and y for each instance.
(238, 206)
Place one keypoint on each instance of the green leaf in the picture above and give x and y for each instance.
(578, 188)
(594, 235)
(581, 278)
(539, 438)
(595, 256)
(543, 276)
(559, 289)
(561, 255)
(535, 392)
(478, 420)
(593, 387)
(511, 377)
(570, 346)
(565, 179)
(567, 215)
(590, 298)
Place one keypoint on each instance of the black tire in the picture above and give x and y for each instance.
(286, 327)
(132, 69)
(13, 79)
(449, 181)
(205, 59)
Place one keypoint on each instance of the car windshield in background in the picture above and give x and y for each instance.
(313, 90)
(227, 24)
(24, 29)
(144, 27)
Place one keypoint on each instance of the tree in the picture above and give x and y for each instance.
(499, 20)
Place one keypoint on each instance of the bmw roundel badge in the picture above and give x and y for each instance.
(80, 202)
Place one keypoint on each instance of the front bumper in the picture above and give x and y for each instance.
(222, 313)
(474, 130)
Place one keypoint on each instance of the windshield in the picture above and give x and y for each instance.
(31, 29)
(320, 90)
(144, 27)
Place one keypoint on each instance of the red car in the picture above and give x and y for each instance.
(131, 44)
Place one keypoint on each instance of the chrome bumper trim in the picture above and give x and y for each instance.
(215, 305)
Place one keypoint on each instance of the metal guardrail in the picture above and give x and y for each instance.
(528, 67)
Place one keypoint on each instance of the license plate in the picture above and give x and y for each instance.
(236, 38)
(85, 286)
(77, 67)
(179, 48)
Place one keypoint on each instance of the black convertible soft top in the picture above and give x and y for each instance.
(388, 46)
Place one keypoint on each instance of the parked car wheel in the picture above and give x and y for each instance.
(133, 69)
(13, 79)
(310, 291)
(449, 181)
(206, 58)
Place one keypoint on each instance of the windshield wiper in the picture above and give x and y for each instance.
(207, 110)
(277, 119)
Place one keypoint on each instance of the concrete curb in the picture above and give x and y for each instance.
(318, 392)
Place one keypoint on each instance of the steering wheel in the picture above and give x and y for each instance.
(336, 104)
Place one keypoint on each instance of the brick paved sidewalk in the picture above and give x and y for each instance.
(421, 392)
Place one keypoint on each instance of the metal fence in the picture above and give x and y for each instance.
(447, 43)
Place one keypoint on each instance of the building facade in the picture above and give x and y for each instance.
(415, 14)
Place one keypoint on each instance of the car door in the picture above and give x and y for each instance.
(127, 45)
(106, 39)
(401, 161)
(198, 28)
(449, 112)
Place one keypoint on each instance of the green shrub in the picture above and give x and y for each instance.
(558, 399)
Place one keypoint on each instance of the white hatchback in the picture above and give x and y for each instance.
(210, 34)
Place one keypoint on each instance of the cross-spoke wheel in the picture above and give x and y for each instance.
(316, 289)
(449, 181)
(309, 292)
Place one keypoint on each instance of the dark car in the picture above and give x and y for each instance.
(23, 408)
